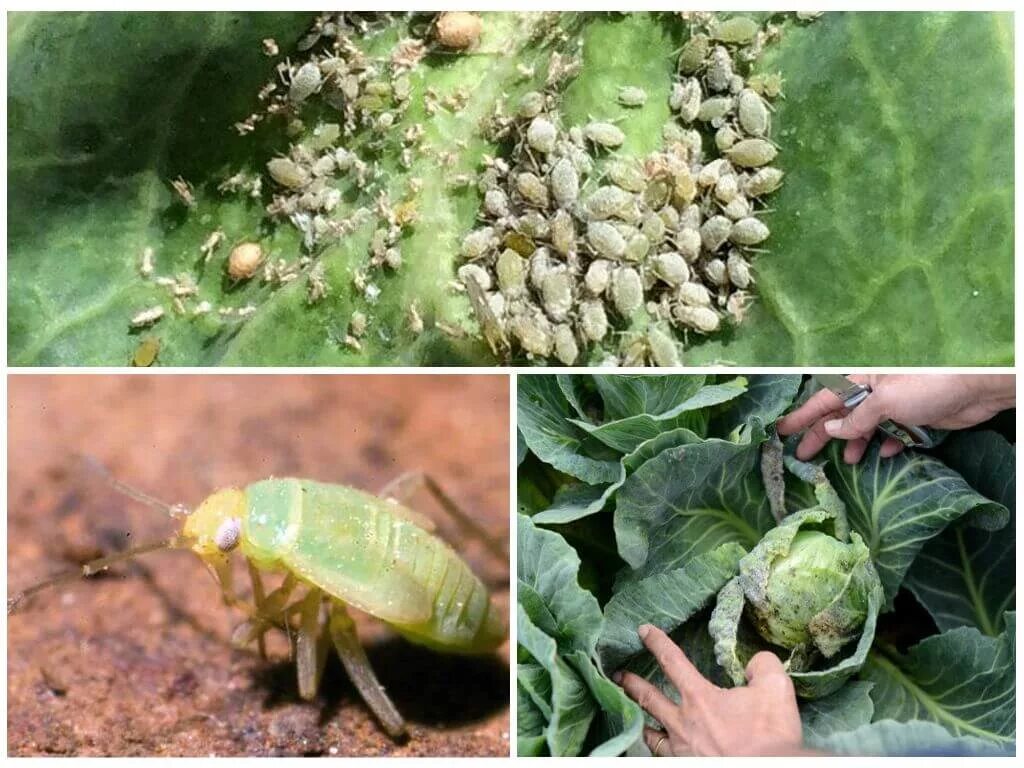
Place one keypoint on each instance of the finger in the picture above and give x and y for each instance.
(658, 743)
(680, 670)
(815, 438)
(891, 447)
(820, 404)
(765, 669)
(861, 421)
(854, 450)
(653, 701)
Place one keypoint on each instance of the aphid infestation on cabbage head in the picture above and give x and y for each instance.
(336, 547)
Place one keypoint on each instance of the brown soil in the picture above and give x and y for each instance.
(138, 662)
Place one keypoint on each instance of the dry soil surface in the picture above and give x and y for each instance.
(138, 662)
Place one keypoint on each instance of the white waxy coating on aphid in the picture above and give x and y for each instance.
(637, 248)
(725, 137)
(531, 104)
(690, 97)
(496, 301)
(752, 113)
(752, 153)
(632, 96)
(739, 270)
(716, 273)
(147, 317)
(556, 293)
(737, 30)
(710, 173)
(719, 71)
(653, 228)
(533, 190)
(627, 175)
(691, 217)
(477, 273)
(533, 225)
(669, 217)
(496, 203)
(688, 242)
(605, 239)
(304, 83)
(671, 267)
(664, 350)
(738, 208)
(749, 231)
(694, 295)
(511, 270)
(478, 242)
(563, 232)
(715, 231)
(726, 188)
(604, 134)
(533, 331)
(541, 134)
(763, 182)
(540, 263)
(566, 349)
(565, 182)
(702, 319)
(357, 324)
(244, 261)
(598, 274)
(627, 290)
(288, 173)
(605, 202)
(715, 108)
(593, 320)
(228, 534)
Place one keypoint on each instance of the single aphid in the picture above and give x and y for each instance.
(270, 47)
(519, 243)
(147, 317)
(715, 108)
(701, 319)
(458, 30)
(146, 353)
(769, 85)
(533, 224)
(316, 283)
(637, 248)
(393, 258)
(288, 173)
(605, 239)
(739, 270)
(752, 153)
(738, 208)
(593, 320)
(631, 96)
(478, 242)
(763, 182)
(414, 320)
(663, 348)
(752, 112)
(511, 269)
(566, 349)
(557, 293)
(606, 202)
(688, 242)
(541, 135)
(540, 263)
(598, 276)
(726, 137)
(714, 232)
(531, 104)
(184, 192)
(357, 324)
(563, 232)
(496, 203)
(604, 134)
(333, 557)
(533, 189)
(694, 295)
(476, 272)
(146, 262)
(716, 273)
(304, 82)
(671, 268)
(719, 71)
(749, 231)
(694, 53)
(533, 332)
(565, 183)
(210, 244)
(738, 30)
(244, 261)
(627, 290)
(727, 188)
(627, 175)
(688, 98)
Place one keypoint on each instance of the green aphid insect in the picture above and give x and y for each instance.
(337, 547)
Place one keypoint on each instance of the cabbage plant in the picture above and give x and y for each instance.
(887, 588)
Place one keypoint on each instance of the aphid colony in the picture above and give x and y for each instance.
(579, 245)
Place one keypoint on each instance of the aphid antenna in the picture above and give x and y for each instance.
(93, 567)
(175, 511)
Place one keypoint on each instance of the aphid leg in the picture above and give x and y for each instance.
(404, 486)
(270, 614)
(259, 599)
(311, 644)
(346, 642)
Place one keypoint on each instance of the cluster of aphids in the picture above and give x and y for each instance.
(579, 245)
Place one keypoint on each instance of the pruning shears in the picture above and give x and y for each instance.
(852, 394)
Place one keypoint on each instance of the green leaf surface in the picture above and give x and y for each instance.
(898, 504)
(549, 589)
(966, 576)
(530, 726)
(689, 500)
(848, 708)
(620, 719)
(768, 396)
(961, 679)
(627, 395)
(665, 600)
(895, 221)
(888, 738)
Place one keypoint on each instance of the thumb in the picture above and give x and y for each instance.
(860, 422)
(763, 667)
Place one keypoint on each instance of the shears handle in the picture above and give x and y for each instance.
(911, 437)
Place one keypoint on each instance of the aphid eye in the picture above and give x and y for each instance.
(227, 535)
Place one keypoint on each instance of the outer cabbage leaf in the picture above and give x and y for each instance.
(848, 708)
(768, 396)
(628, 395)
(961, 679)
(530, 726)
(916, 738)
(966, 576)
(620, 719)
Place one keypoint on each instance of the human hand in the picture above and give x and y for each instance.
(942, 401)
(760, 718)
